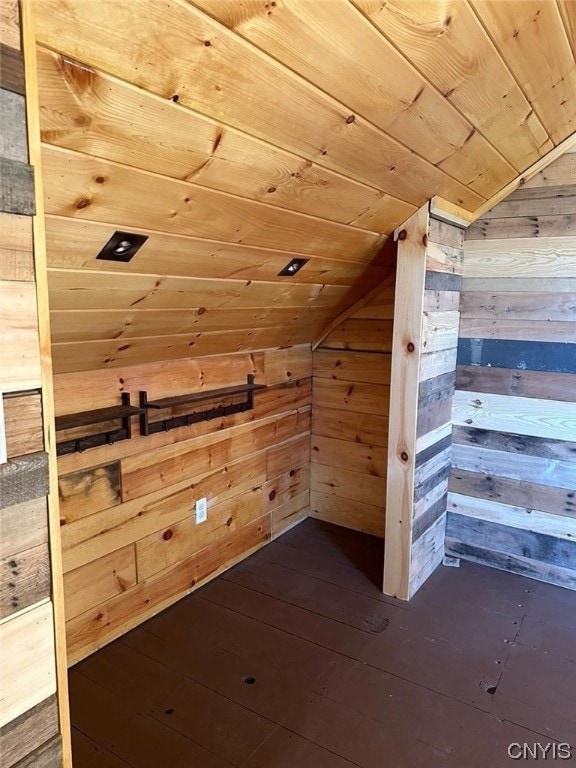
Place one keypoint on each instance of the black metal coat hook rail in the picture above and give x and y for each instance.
(122, 413)
(148, 427)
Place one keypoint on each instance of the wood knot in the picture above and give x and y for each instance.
(271, 189)
(83, 203)
(167, 535)
(402, 235)
(99, 179)
(229, 521)
(292, 472)
(175, 98)
(350, 119)
(410, 347)
(424, 240)
(404, 456)
(272, 495)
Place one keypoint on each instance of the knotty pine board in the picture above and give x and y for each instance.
(478, 93)
(530, 63)
(127, 556)
(140, 129)
(73, 243)
(358, 516)
(364, 428)
(290, 112)
(334, 48)
(94, 628)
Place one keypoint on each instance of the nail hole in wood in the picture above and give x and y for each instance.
(402, 235)
(249, 680)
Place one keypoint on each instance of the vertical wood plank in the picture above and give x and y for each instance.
(406, 352)
(33, 124)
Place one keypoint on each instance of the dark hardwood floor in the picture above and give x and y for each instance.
(294, 659)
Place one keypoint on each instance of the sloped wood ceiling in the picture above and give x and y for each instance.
(239, 134)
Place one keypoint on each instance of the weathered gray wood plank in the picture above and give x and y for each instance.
(24, 579)
(13, 140)
(31, 730)
(49, 755)
(16, 187)
(23, 479)
(12, 69)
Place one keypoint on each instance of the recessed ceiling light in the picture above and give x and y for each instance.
(122, 246)
(292, 267)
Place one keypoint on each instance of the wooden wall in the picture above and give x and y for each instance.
(444, 264)
(511, 501)
(29, 718)
(351, 399)
(131, 546)
(362, 113)
(425, 336)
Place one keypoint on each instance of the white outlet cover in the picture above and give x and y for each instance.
(201, 511)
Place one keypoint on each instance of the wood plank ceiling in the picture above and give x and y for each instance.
(239, 134)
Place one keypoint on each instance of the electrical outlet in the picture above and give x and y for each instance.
(201, 511)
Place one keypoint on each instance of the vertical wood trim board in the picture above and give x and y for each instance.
(43, 309)
(406, 354)
(511, 502)
(426, 324)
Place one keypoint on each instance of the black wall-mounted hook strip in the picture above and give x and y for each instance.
(149, 428)
(123, 412)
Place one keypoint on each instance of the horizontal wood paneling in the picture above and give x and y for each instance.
(27, 665)
(20, 337)
(92, 629)
(554, 332)
(135, 127)
(356, 515)
(420, 31)
(511, 502)
(94, 583)
(316, 128)
(546, 257)
(401, 103)
(26, 579)
(516, 493)
(350, 404)
(349, 425)
(513, 381)
(131, 545)
(352, 366)
(97, 190)
(16, 258)
(551, 356)
(521, 415)
(352, 397)
(23, 424)
(29, 731)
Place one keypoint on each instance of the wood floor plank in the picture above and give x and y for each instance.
(277, 664)
(137, 739)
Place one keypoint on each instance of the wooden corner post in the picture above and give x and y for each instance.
(406, 353)
(34, 149)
